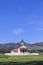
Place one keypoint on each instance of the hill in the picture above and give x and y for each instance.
(35, 47)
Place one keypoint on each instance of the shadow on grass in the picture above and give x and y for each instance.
(22, 63)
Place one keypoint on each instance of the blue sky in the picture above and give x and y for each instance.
(21, 19)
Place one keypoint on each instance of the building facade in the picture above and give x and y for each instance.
(21, 50)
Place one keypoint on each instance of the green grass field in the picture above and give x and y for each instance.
(21, 60)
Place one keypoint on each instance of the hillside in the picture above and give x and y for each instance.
(31, 47)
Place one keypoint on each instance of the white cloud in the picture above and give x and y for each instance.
(18, 31)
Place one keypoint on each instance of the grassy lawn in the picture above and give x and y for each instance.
(21, 60)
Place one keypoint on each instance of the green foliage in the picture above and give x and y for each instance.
(22, 63)
(4, 58)
(21, 60)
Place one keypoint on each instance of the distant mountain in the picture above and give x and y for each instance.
(4, 48)
(38, 44)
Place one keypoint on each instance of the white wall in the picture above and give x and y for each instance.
(17, 54)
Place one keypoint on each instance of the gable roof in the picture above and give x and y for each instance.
(23, 47)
